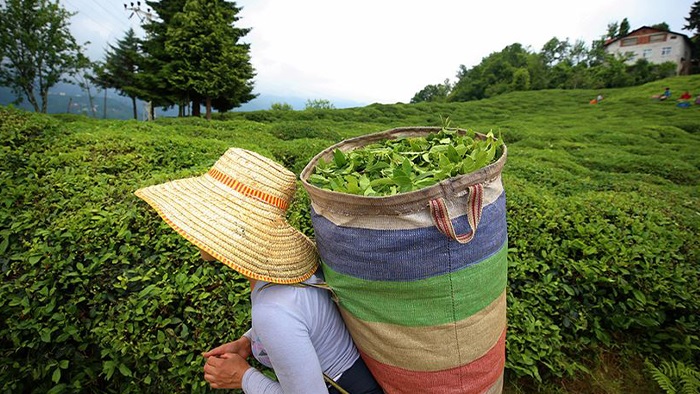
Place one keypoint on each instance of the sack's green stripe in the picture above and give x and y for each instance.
(438, 300)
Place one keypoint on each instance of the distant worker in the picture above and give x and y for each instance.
(597, 99)
(663, 96)
(687, 103)
(685, 96)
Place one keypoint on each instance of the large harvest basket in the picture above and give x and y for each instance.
(421, 276)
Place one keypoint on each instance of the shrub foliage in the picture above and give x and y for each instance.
(99, 295)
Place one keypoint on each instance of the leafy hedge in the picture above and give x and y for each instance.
(597, 270)
(99, 295)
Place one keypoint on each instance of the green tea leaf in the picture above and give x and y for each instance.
(124, 370)
(108, 368)
(405, 164)
(339, 158)
(56, 375)
(352, 184)
(452, 154)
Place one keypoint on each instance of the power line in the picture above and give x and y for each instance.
(110, 13)
(95, 15)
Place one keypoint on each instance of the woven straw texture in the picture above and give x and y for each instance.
(235, 212)
(426, 307)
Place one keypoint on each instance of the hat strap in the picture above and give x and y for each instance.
(248, 191)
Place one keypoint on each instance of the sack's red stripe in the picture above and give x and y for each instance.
(248, 191)
(478, 204)
(475, 377)
(475, 204)
(437, 209)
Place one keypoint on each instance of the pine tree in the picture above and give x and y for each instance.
(120, 69)
(624, 28)
(154, 75)
(693, 26)
(207, 57)
(693, 19)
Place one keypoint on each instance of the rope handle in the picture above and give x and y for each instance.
(441, 217)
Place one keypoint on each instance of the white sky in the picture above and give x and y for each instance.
(387, 50)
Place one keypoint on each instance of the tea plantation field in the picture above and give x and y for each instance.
(99, 295)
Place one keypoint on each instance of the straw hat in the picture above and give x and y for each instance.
(236, 213)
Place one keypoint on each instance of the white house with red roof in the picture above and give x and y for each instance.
(655, 45)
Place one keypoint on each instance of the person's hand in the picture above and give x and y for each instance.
(225, 371)
(241, 346)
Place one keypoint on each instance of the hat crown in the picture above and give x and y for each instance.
(257, 173)
(235, 212)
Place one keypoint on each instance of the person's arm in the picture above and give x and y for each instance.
(241, 346)
(293, 357)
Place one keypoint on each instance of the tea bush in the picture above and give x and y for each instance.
(601, 268)
(100, 296)
(296, 153)
(296, 130)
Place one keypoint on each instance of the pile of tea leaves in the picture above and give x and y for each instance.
(405, 164)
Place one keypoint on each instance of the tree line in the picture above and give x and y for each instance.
(192, 54)
(560, 64)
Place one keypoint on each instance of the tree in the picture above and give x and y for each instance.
(493, 76)
(234, 98)
(469, 85)
(618, 29)
(206, 56)
(319, 104)
(661, 26)
(38, 49)
(693, 19)
(120, 69)
(613, 30)
(597, 54)
(437, 92)
(624, 28)
(281, 107)
(555, 51)
(153, 73)
(693, 26)
(613, 72)
(578, 52)
(521, 79)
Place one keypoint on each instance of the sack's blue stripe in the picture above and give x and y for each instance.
(407, 255)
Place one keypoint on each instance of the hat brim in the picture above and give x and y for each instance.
(242, 232)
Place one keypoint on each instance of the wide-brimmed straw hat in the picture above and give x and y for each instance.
(236, 213)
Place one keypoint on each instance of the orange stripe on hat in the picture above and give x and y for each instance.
(248, 191)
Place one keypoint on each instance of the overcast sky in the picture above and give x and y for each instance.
(387, 50)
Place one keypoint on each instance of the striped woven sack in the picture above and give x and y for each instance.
(420, 276)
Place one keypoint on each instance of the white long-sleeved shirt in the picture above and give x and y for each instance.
(298, 332)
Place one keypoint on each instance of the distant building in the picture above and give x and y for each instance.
(654, 45)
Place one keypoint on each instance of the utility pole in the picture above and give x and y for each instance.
(140, 13)
(143, 15)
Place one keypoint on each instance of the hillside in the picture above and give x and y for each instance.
(603, 207)
(67, 98)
